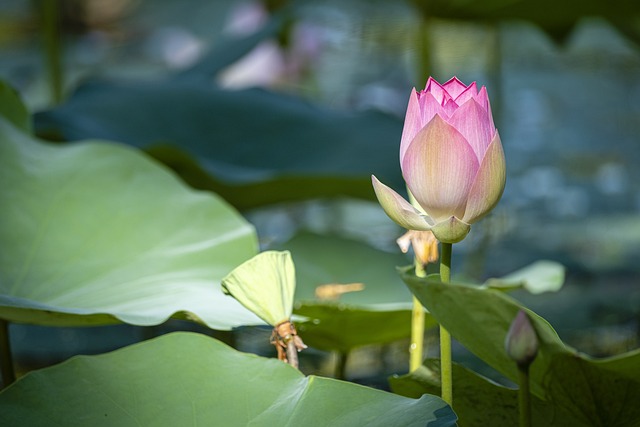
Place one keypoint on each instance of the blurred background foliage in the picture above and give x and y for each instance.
(563, 78)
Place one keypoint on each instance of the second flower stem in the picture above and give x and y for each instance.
(445, 337)
(524, 396)
(417, 326)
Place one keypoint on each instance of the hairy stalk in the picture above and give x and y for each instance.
(445, 337)
(417, 326)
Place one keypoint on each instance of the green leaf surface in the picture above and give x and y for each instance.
(379, 313)
(265, 284)
(479, 401)
(186, 379)
(539, 277)
(331, 259)
(97, 233)
(343, 327)
(13, 109)
(595, 392)
(292, 149)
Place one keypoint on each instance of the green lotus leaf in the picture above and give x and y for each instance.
(12, 107)
(265, 284)
(380, 312)
(478, 400)
(191, 379)
(594, 392)
(343, 327)
(97, 233)
(539, 277)
(292, 150)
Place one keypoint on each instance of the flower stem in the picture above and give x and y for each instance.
(445, 337)
(341, 365)
(292, 354)
(524, 396)
(417, 326)
(6, 362)
(53, 48)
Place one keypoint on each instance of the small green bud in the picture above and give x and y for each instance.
(521, 342)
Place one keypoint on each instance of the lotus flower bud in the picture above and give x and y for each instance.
(521, 342)
(451, 159)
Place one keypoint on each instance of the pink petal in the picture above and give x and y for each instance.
(430, 81)
(429, 107)
(483, 100)
(489, 183)
(449, 108)
(398, 209)
(439, 167)
(436, 90)
(412, 123)
(467, 94)
(454, 87)
(472, 121)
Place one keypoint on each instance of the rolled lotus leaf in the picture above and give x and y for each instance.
(265, 284)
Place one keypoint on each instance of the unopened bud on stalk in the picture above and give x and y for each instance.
(521, 342)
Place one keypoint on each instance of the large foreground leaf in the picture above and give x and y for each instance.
(594, 392)
(379, 313)
(97, 233)
(186, 379)
(250, 146)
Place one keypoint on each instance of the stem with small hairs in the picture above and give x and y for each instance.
(445, 337)
(417, 326)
